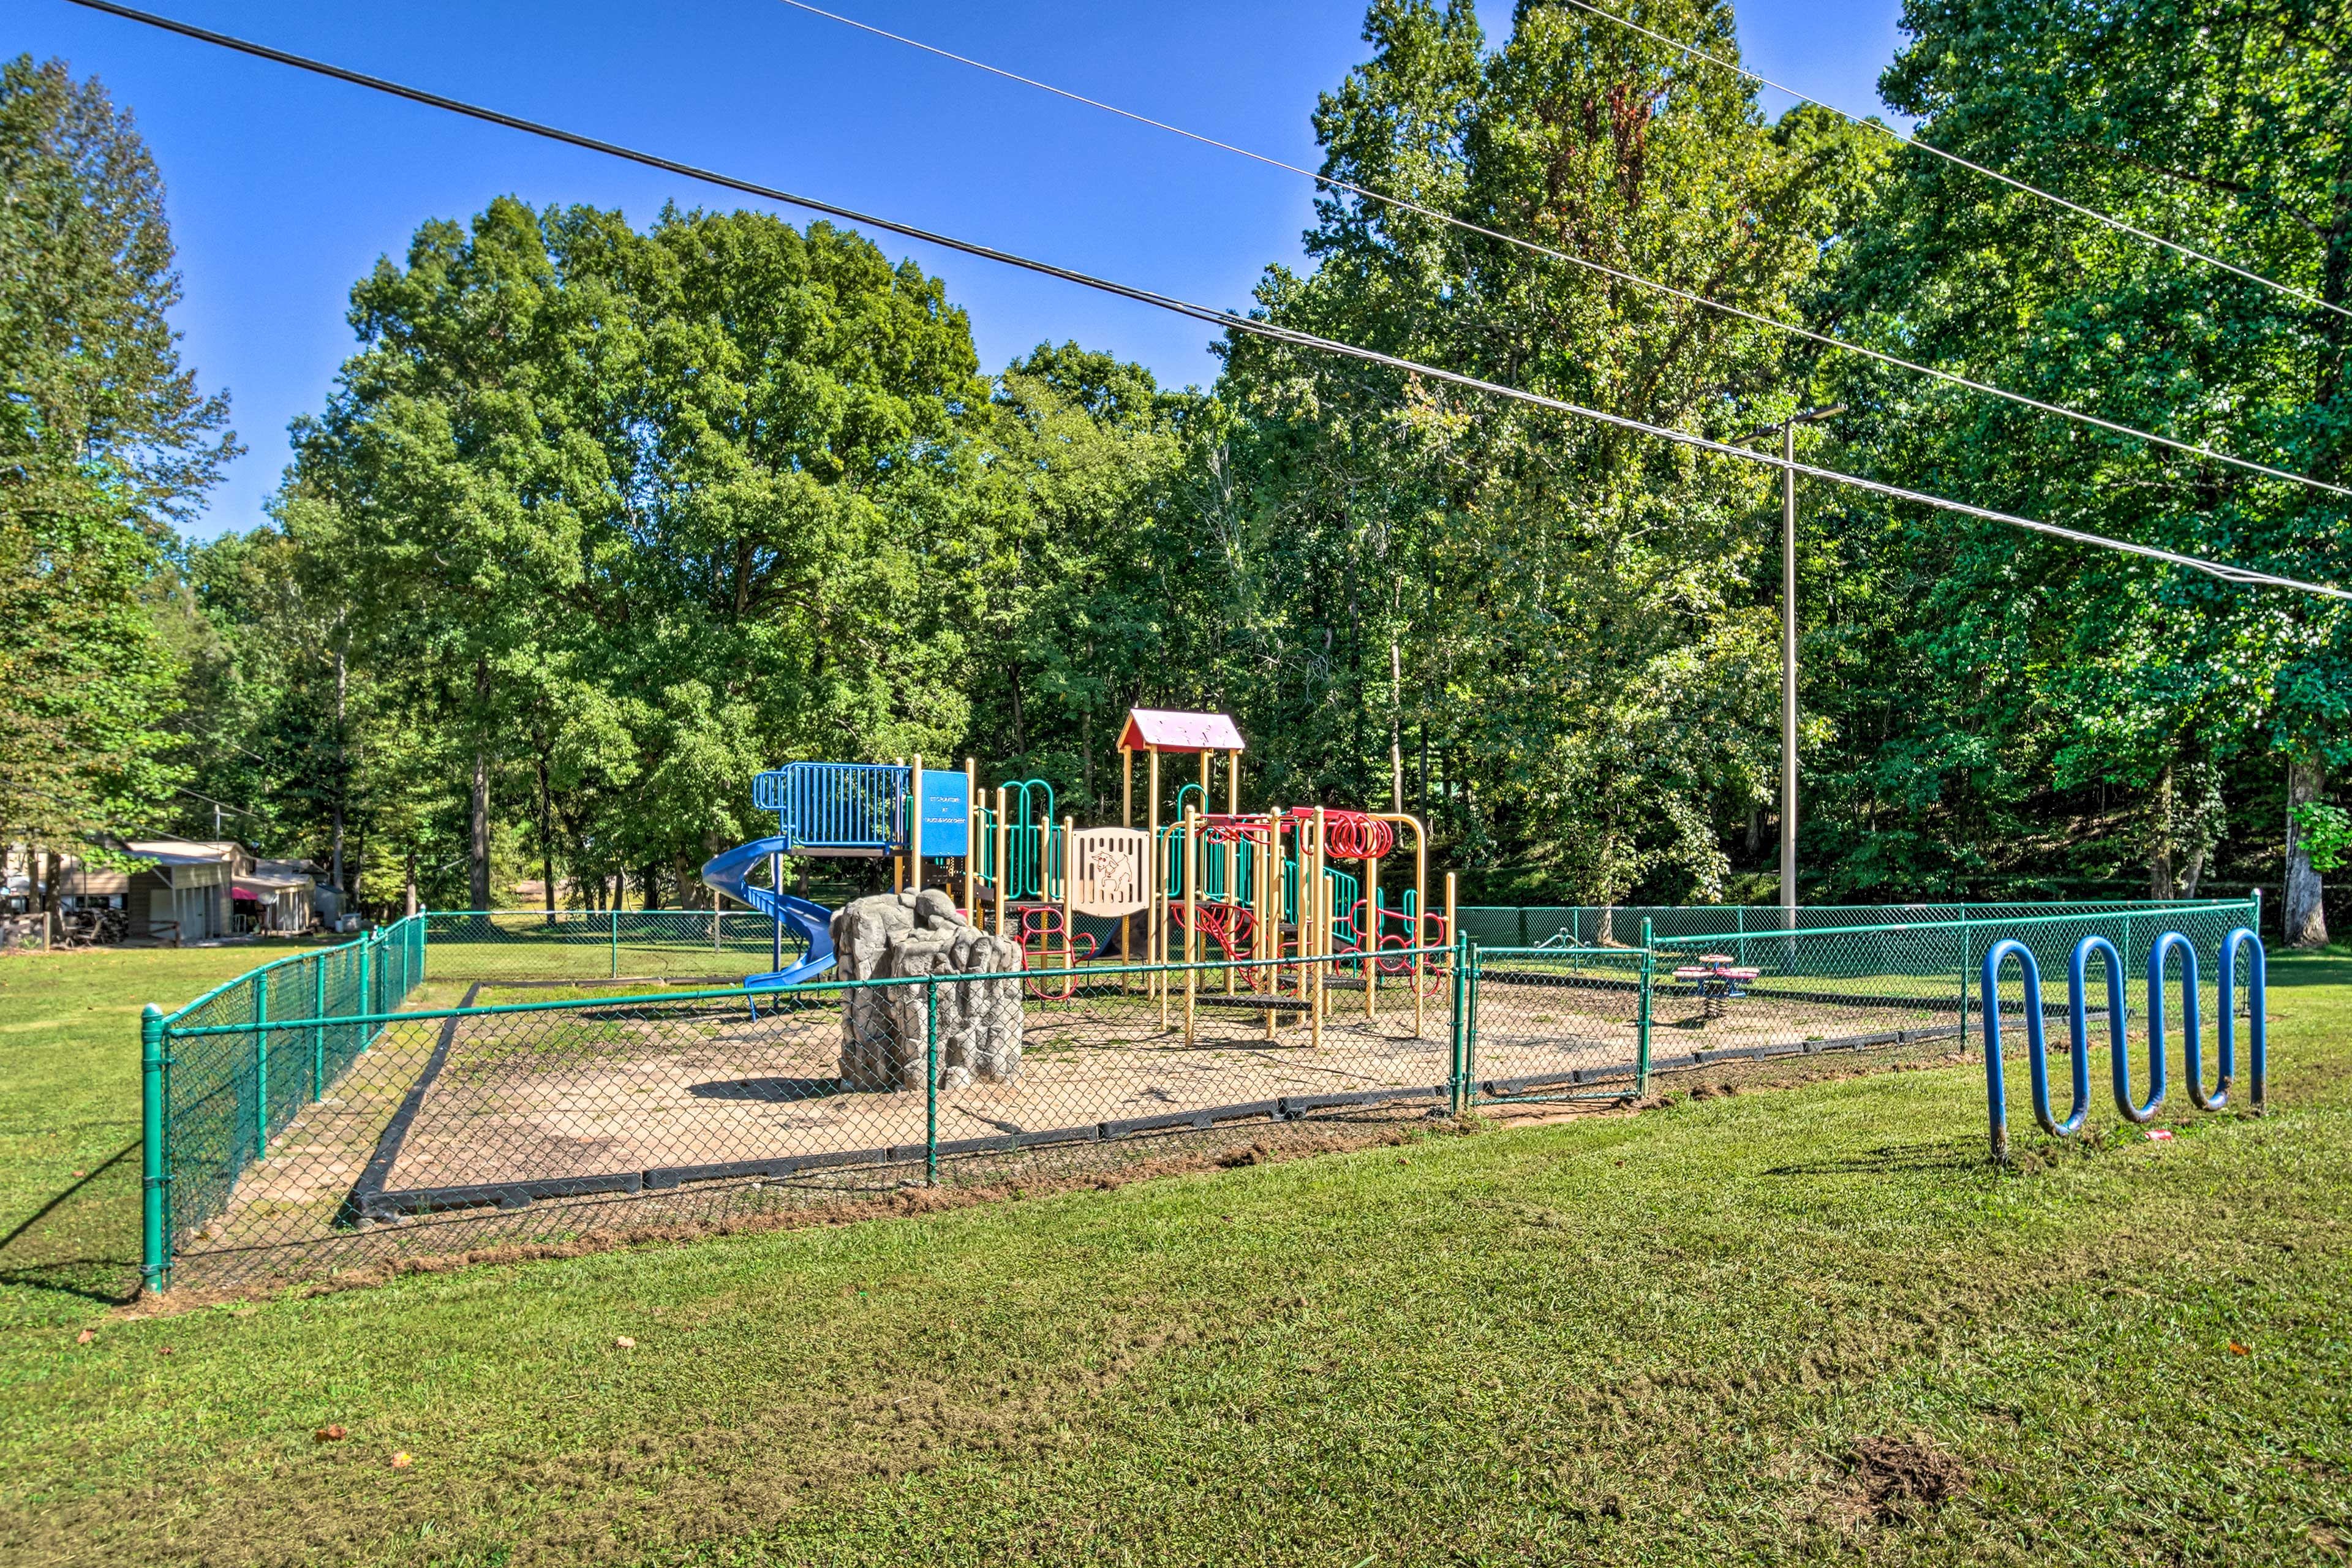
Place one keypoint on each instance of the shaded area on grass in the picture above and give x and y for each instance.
(40, 1250)
(69, 1163)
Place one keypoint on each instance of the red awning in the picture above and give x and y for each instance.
(1159, 730)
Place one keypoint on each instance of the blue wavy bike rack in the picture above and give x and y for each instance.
(2078, 1021)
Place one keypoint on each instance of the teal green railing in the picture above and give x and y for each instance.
(224, 1076)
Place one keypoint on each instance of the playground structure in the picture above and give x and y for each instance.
(468, 1076)
(1260, 895)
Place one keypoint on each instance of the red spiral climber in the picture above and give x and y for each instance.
(1347, 835)
(1355, 836)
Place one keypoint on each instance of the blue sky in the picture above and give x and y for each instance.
(285, 189)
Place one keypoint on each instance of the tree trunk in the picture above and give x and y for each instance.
(478, 846)
(2160, 884)
(645, 885)
(342, 773)
(1396, 725)
(546, 833)
(2304, 918)
(409, 897)
(1019, 745)
(478, 849)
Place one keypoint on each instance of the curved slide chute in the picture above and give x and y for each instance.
(727, 874)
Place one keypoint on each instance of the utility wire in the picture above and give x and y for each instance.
(222, 804)
(1953, 158)
(1204, 313)
(1406, 205)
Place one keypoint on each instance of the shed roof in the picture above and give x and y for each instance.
(183, 851)
(1160, 729)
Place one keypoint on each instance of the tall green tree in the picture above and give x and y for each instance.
(1574, 610)
(2227, 129)
(633, 515)
(106, 440)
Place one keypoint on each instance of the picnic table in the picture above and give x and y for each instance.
(1716, 978)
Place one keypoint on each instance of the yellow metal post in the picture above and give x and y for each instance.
(971, 840)
(1069, 881)
(1127, 820)
(1157, 936)
(1232, 850)
(1321, 938)
(1271, 915)
(1001, 865)
(1192, 914)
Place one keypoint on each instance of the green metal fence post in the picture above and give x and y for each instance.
(154, 1253)
(931, 1083)
(1642, 1024)
(319, 1029)
(1470, 1029)
(615, 947)
(1523, 925)
(422, 948)
(261, 1066)
(367, 989)
(1968, 952)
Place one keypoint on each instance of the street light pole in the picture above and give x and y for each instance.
(1789, 672)
(1787, 428)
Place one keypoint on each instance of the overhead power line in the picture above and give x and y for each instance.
(1953, 158)
(1536, 248)
(1204, 313)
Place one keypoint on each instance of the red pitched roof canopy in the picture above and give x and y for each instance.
(1159, 730)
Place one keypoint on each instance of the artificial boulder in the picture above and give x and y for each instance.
(883, 1028)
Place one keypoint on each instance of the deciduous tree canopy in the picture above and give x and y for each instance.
(601, 519)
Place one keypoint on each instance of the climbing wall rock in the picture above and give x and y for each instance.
(883, 1030)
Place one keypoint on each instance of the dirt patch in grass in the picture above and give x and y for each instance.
(1902, 1477)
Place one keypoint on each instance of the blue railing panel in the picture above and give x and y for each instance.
(852, 806)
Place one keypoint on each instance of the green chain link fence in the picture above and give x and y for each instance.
(1596, 925)
(461, 1080)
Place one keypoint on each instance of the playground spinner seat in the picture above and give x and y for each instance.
(1716, 980)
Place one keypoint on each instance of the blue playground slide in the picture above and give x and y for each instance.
(726, 873)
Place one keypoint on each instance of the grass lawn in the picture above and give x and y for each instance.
(70, 1166)
(1747, 1329)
